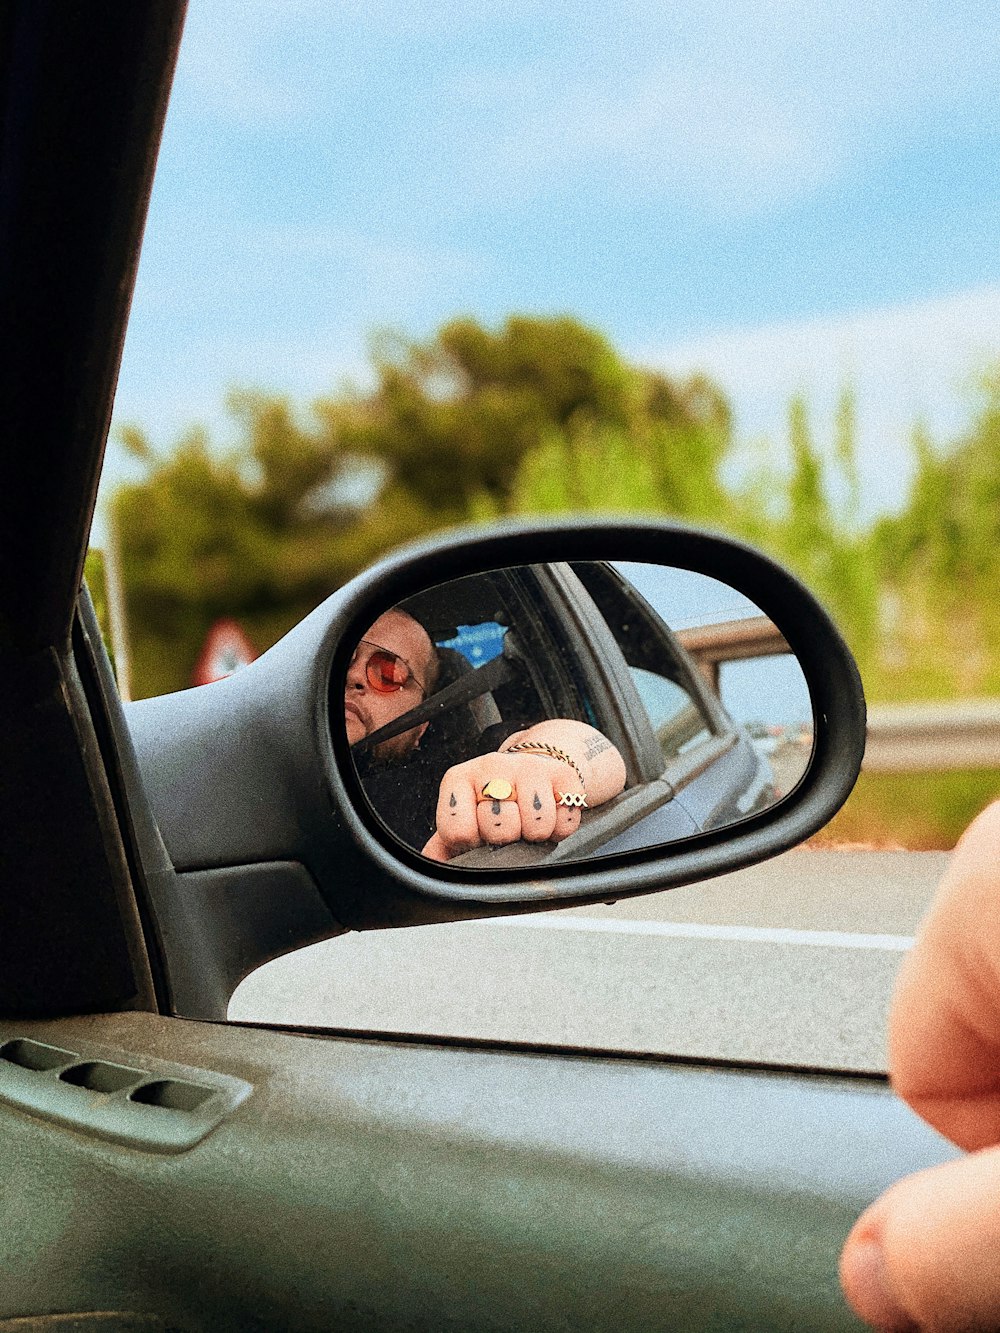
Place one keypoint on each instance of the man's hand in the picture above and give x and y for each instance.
(465, 820)
(523, 789)
(926, 1255)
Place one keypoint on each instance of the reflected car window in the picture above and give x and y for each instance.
(676, 719)
(658, 669)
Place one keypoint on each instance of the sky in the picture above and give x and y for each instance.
(788, 196)
(772, 690)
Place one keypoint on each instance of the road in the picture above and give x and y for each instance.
(791, 962)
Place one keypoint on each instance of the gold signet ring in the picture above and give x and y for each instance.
(497, 789)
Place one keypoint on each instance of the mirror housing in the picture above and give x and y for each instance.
(256, 769)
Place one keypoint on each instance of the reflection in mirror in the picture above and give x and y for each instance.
(551, 713)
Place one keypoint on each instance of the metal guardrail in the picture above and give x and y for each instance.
(933, 737)
(731, 641)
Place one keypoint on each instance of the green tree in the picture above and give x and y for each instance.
(453, 419)
(544, 415)
(793, 512)
(266, 531)
(936, 562)
(255, 534)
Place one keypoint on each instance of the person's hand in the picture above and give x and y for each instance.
(506, 797)
(926, 1255)
(465, 819)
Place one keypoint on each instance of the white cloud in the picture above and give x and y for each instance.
(239, 273)
(718, 143)
(256, 64)
(739, 109)
(906, 363)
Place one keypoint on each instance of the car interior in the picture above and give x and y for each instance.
(513, 683)
(482, 695)
(511, 654)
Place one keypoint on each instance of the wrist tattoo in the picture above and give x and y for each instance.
(596, 745)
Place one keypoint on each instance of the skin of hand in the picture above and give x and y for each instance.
(531, 813)
(926, 1255)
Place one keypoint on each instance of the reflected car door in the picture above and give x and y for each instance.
(690, 768)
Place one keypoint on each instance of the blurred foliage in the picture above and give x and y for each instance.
(454, 421)
(542, 415)
(454, 429)
(937, 563)
(259, 534)
(93, 574)
(911, 811)
(788, 510)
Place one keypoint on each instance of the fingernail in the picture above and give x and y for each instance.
(866, 1284)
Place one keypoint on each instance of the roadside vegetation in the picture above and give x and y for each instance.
(543, 415)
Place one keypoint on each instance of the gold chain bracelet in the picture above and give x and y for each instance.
(552, 751)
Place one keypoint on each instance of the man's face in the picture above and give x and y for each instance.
(368, 706)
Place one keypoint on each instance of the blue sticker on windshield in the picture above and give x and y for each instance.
(478, 644)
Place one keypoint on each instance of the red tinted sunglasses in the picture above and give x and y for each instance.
(386, 672)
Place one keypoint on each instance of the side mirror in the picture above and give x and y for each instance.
(733, 702)
(557, 713)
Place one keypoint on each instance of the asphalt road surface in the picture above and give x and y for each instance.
(791, 962)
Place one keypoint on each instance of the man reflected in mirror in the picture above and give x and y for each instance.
(532, 786)
(394, 668)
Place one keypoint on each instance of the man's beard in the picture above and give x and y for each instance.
(395, 750)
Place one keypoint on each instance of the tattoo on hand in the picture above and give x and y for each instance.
(596, 745)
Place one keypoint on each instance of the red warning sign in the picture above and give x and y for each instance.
(226, 649)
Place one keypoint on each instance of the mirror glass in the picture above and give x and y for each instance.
(558, 712)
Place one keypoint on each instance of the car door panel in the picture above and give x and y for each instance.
(390, 1184)
(667, 821)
